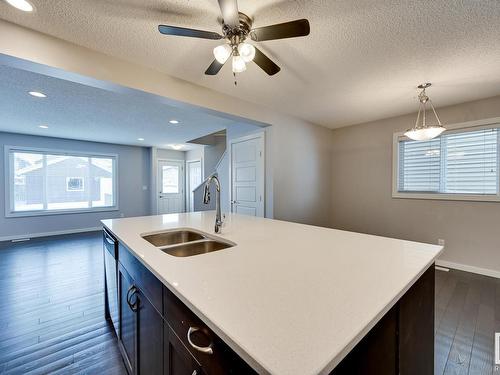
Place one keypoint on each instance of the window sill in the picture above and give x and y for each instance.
(447, 197)
(10, 214)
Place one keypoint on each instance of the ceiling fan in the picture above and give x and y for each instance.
(236, 28)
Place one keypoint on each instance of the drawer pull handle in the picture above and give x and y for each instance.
(206, 350)
(131, 292)
(109, 240)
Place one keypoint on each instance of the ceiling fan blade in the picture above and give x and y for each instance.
(265, 63)
(193, 33)
(281, 31)
(229, 10)
(214, 68)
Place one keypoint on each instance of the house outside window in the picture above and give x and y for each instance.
(41, 182)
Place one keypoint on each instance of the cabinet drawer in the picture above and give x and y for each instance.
(188, 327)
(143, 278)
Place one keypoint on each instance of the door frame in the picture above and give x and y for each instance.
(262, 136)
(186, 175)
(183, 179)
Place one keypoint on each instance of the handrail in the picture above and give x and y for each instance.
(220, 160)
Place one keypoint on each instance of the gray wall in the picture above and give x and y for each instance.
(133, 174)
(362, 202)
(163, 153)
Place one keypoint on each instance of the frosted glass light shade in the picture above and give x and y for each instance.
(246, 51)
(23, 5)
(222, 53)
(425, 133)
(239, 64)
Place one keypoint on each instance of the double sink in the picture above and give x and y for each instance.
(186, 242)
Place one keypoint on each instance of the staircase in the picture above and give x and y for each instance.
(214, 157)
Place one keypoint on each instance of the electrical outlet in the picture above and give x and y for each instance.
(122, 215)
(144, 187)
(441, 242)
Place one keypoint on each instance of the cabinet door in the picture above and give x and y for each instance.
(128, 321)
(150, 337)
(178, 360)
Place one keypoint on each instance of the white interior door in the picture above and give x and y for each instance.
(193, 179)
(170, 186)
(247, 175)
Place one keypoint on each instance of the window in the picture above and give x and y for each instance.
(460, 164)
(170, 179)
(75, 184)
(46, 182)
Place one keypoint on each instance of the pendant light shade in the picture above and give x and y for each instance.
(422, 131)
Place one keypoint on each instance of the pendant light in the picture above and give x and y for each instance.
(422, 131)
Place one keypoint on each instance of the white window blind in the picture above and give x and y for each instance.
(50, 182)
(461, 162)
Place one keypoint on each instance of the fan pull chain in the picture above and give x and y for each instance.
(235, 82)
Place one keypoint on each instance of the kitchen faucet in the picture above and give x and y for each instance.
(206, 199)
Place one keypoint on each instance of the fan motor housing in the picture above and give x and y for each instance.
(240, 33)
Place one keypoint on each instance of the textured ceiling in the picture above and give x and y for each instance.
(77, 111)
(360, 63)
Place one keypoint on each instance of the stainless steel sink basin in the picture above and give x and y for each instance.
(196, 248)
(173, 237)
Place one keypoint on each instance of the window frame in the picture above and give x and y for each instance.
(9, 180)
(469, 125)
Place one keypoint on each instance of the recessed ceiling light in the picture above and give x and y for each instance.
(176, 147)
(23, 5)
(140, 139)
(37, 94)
(43, 126)
(174, 122)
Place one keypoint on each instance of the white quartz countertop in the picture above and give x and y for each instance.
(288, 298)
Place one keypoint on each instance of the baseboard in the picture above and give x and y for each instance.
(47, 234)
(464, 267)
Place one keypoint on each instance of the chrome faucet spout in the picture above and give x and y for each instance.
(206, 199)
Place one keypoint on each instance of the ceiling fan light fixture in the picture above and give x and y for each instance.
(239, 64)
(222, 53)
(246, 51)
(421, 131)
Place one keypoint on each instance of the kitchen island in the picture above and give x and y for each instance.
(285, 299)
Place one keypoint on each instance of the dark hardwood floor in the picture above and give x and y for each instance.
(467, 316)
(52, 308)
(52, 312)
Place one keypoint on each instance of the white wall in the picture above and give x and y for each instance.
(362, 200)
(133, 174)
(162, 153)
(299, 157)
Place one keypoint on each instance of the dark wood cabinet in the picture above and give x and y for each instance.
(150, 337)
(141, 329)
(178, 359)
(209, 350)
(127, 333)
